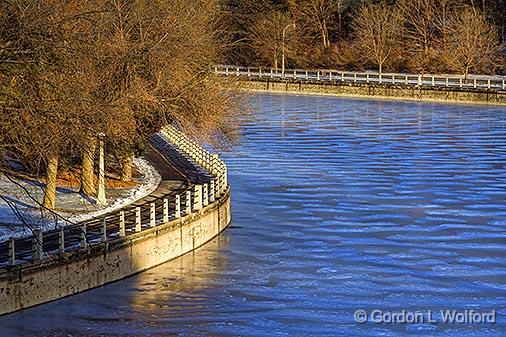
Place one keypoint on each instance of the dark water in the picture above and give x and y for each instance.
(338, 205)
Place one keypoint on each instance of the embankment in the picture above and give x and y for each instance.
(374, 90)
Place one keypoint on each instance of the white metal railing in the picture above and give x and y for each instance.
(346, 77)
(211, 162)
(128, 221)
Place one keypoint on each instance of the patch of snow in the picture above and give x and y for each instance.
(11, 225)
(21, 196)
(150, 181)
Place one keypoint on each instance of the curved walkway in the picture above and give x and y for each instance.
(179, 174)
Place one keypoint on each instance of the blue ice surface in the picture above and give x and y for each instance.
(338, 205)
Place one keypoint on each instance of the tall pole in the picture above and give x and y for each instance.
(283, 48)
(101, 174)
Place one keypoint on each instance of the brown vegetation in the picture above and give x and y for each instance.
(471, 42)
(331, 34)
(378, 30)
(73, 70)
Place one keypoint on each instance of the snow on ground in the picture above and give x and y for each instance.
(20, 199)
(151, 180)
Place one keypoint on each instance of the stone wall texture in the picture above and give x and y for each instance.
(386, 91)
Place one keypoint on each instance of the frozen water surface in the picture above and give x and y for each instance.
(338, 205)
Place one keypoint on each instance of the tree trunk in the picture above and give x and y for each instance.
(325, 35)
(87, 175)
(340, 24)
(380, 69)
(127, 167)
(51, 177)
(425, 59)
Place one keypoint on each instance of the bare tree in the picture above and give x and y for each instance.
(320, 16)
(87, 169)
(420, 19)
(267, 37)
(44, 82)
(472, 42)
(51, 181)
(378, 31)
(70, 70)
(443, 17)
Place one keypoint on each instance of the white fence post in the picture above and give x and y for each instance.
(198, 197)
(12, 251)
(218, 185)
(138, 219)
(205, 195)
(84, 241)
(177, 214)
(152, 215)
(166, 210)
(188, 202)
(225, 179)
(212, 197)
(122, 229)
(37, 247)
(104, 230)
(61, 241)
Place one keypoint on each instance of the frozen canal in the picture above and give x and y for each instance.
(339, 205)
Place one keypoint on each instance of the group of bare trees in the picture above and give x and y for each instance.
(429, 35)
(420, 36)
(74, 71)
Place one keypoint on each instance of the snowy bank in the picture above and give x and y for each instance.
(21, 198)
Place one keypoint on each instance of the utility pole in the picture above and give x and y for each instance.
(283, 56)
(102, 200)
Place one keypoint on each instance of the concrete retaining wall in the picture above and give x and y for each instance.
(386, 91)
(29, 285)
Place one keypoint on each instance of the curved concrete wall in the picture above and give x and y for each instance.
(48, 280)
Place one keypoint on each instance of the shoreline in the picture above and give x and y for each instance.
(50, 280)
(54, 264)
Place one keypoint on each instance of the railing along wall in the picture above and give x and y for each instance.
(55, 244)
(345, 77)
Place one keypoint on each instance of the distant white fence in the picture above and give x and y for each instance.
(346, 77)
